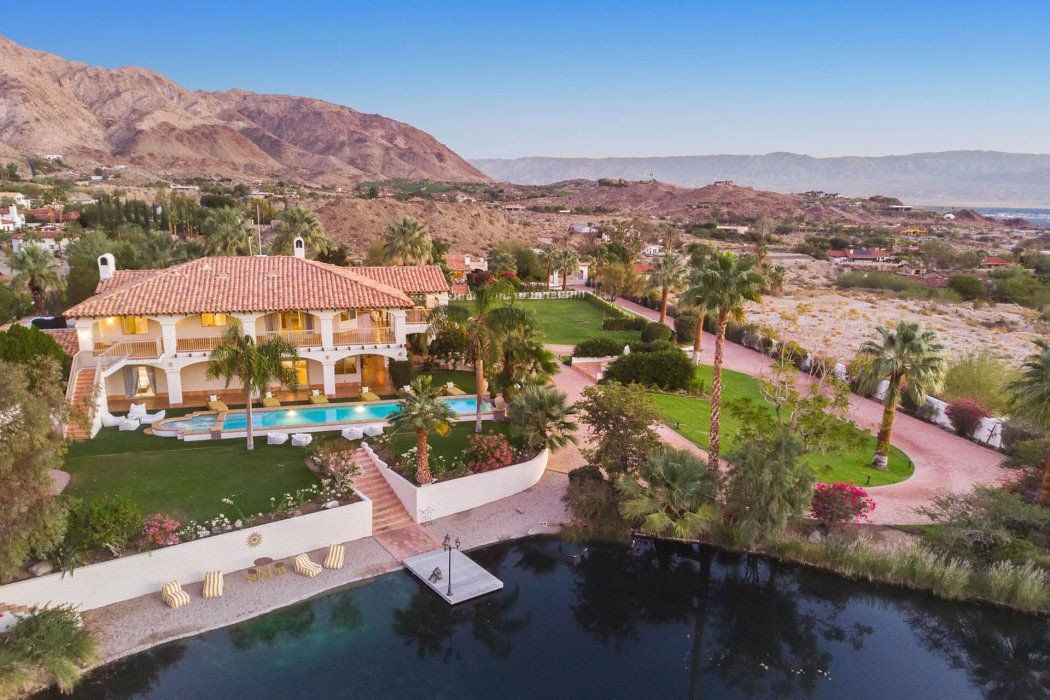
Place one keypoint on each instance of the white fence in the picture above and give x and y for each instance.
(143, 574)
(558, 294)
(457, 495)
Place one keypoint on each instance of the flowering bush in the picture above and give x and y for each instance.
(840, 504)
(965, 415)
(488, 451)
(159, 530)
(439, 464)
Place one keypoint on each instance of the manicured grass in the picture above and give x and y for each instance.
(454, 444)
(464, 380)
(186, 480)
(694, 422)
(570, 321)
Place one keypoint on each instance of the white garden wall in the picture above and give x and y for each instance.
(143, 574)
(457, 495)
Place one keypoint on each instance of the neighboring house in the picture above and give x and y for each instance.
(462, 264)
(18, 198)
(12, 220)
(583, 228)
(994, 263)
(949, 217)
(863, 256)
(579, 277)
(51, 237)
(732, 229)
(150, 333)
(653, 250)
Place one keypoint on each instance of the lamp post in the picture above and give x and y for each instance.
(449, 545)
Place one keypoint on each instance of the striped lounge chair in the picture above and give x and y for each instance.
(336, 555)
(213, 584)
(305, 567)
(172, 594)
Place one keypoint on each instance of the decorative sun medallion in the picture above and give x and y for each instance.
(254, 539)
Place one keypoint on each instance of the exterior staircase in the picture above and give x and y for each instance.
(80, 404)
(387, 511)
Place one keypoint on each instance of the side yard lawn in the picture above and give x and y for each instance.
(570, 321)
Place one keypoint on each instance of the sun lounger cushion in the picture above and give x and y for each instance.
(373, 430)
(276, 438)
(318, 399)
(213, 584)
(301, 439)
(454, 391)
(151, 418)
(127, 424)
(352, 433)
(271, 402)
(137, 410)
(173, 595)
(305, 567)
(218, 405)
(109, 420)
(336, 554)
(369, 396)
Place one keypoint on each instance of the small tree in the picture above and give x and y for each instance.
(422, 410)
(407, 241)
(840, 504)
(622, 420)
(673, 494)
(668, 275)
(540, 416)
(566, 262)
(36, 270)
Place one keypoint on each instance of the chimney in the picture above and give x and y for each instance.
(299, 248)
(106, 265)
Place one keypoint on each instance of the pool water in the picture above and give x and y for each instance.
(304, 416)
(667, 621)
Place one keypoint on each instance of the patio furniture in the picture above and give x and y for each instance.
(373, 430)
(137, 411)
(253, 575)
(269, 401)
(217, 404)
(276, 438)
(450, 389)
(305, 567)
(336, 555)
(279, 569)
(213, 584)
(301, 439)
(369, 396)
(319, 399)
(264, 565)
(172, 594)
(127, 424)
(352, 434)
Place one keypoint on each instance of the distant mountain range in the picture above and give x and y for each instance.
(140, 118)
(975, 178)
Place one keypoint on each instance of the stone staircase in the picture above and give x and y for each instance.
(387, 511)
(80, 405)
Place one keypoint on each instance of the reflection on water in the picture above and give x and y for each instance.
(638, 621)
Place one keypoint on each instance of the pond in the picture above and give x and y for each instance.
(670, 621)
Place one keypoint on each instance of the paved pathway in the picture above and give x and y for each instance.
(943, 461)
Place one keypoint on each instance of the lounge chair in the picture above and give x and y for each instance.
(370, 396)
(213, 584)
(318, 398)
(172, 594)
(336, 555)
(137, 411)
(301, 439)
(451, 389)
(271, 402)
(276, 438)
(217, 404)
(305, 567)
(352, 434)
(127, 424)
(373, 430)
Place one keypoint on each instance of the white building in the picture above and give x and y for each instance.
(579, 277)
(50, 237)
(12, 220)
(18, 199)
(653, 250)
(583, 228)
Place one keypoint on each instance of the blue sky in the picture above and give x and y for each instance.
(609, 78)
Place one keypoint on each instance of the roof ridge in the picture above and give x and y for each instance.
(361, 279)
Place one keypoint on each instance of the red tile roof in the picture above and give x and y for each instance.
(411, 279)
(997, 261)
(66, 337)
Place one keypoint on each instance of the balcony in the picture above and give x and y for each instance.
(378, 335)
(197, 344)
(300, 339)
(417, 315)
(130, 349)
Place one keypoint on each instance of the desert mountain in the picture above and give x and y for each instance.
(138, 117)
(989, 178)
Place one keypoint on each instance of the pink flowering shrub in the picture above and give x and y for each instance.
(159, 531)
(488, 451)
(840, 504)
(965, 415)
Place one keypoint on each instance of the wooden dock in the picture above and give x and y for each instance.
(469, 580)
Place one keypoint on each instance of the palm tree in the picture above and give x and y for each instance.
(677, 497)
(229, 233)
(296, 222)
(502, 260)
(668, 275)
(694, 298)
(255, 366)
(36, 270)
(566, 262)
(549, 254)
(422, 410)
(483, 324)
(522, 356)
(912, 361)
(408, 241)
(728, 283)
(540, 415)
(1030, 398)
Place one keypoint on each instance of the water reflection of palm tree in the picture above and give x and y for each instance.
(290, 622)
(345, 613)
(131, 676)
(427, 623)
(494, 626)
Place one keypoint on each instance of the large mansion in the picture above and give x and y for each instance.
(147, 335)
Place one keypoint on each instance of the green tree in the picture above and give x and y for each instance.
(695, 299)
(728, 283)
(566, 262)
(36, 271)
(82, 256)
(502, 260)
(30, 345)
(422, 410)
(13, 305)
(622, 420)
(668, 275)
(1030, 397)
(256, 366)
(229, 233)
(967, 286)
(548, 256)
(912, 361)
(302, 223)
(407, 241)
(673, 494)
(541, 417)
(521, 357)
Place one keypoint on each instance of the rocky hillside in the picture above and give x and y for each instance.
(140, 118)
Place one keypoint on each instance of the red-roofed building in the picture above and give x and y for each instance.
(994, 263)
(864, 257)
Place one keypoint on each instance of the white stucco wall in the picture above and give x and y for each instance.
(143, 574)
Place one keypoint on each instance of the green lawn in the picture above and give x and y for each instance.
(185, 479)
(694, 422)
(570, 321)
(464, 380)
(454, 444)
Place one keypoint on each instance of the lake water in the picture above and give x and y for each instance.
(666, 621)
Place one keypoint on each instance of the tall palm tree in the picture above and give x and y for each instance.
(1030, 398)
(566, 262)
(296, 222)
(673, 493)
(542, 417)
(728, 283)
(912, 361)
(548, 255)
(422, 410)
(36, 270)
(229, 233)
(407, 241)
(502, 260)
(521, 356)
(255, 366)
(695, 299)
(668, 275)
(483, 323)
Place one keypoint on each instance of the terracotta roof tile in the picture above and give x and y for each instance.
(412, 279)
(66, 337)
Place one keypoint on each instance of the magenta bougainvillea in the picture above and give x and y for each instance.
(841, 504)
(966, 415)
(488, 451)
(159, 530)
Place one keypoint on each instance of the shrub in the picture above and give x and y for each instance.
(488, 451)
(840, 504)
(598, 347)
(633, 323)
(685, 328)
(667, 369)
(965, 415)
(979, 375)
(611, 310)
(1019, 585)
(159, 530)
(113, 523)
(53, 640)
(967, 286)
(793, 352)
(400, 372)
(654, 331)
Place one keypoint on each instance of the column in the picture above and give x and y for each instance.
(328, 375)
(174, 379)
(397, 320)
(247, 323)
(84, 335)
(167, 335)
(327, 328)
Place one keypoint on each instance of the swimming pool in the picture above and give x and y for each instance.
(303, 417)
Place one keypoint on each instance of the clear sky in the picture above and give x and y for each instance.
(607, 78)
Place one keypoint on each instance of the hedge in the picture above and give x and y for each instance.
(607, 347)
(654, 331)
(611, 310)
(635, 323)
(685, 328)
(667, 369)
